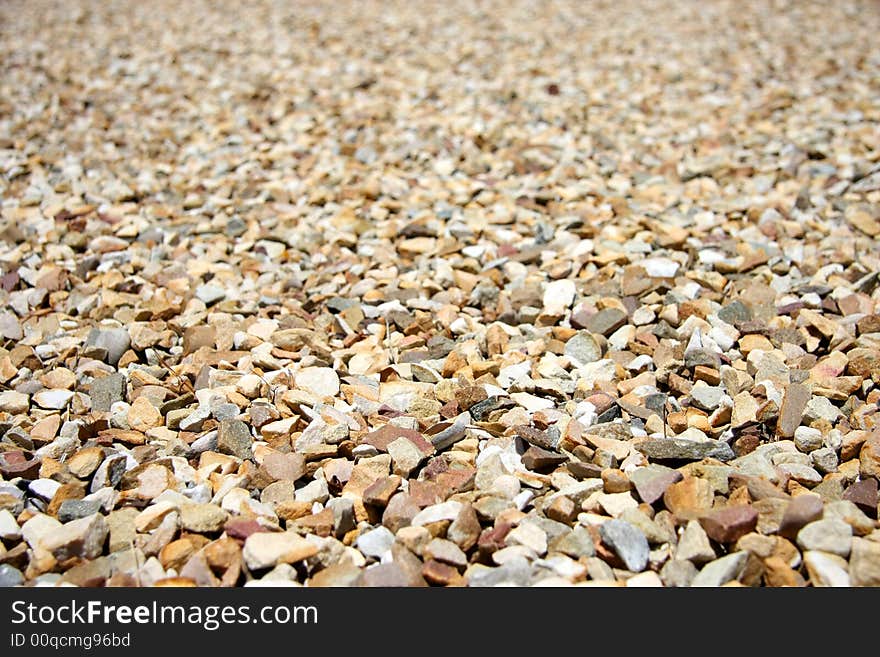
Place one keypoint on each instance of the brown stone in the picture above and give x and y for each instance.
(792, 410)
(778, 573)
(380, 492)
(615, 481)
(440, 574)
(280, 466)
(864, 495)
(538, 459)
(689, 498)
(196, 337)
(801, 511)
(869, 456)
(727, 524)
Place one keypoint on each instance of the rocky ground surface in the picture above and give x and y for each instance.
(362, 293)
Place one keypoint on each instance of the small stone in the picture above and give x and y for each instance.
(76, 509)
(320, 381)
(833, 536)
(10, 576)
(803, 474)
(615, 504)
(9, 529)
(465, 528)
(606, 321)
(864, 563)
(56, 399)
(582, 348)
(405, 456)
(627, 542)
(558, 296)
(864, 495)
(679, 449)
(677, 573)
(376, 542)
(14, 402)
(869, 457)
(284, 466)
(794, 402)
(530, 536)
(707, 397)
(826, 569)
(689, 498)
(651, 482)
(210, 294)
(694, 545)
(808, 439)
(538, 459)
(202, 518)
(266, 549)
(446, 552)
(196, 337)
(83, 538)
(721, 571)
(234, 438)
(777, 573)
(143, 416)
(106, 391)
(801, 511)
(728, 524)
(122, 528)
(108, 344)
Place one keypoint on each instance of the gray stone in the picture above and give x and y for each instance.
(677, 573)
(628, 542)
(694, 545)
(652, 481)
(343, 515)
(515, 572)
(10, 576)
(376, 542)
(577, 543)
(108, 344)
(582, 348)
(75, 509)
(825, 460)
(234, 437)
(707, 397)
(820, 408)
(677, 449)
(108, 473)
(210, 294)
(735, 312)
(606, 321)
(833, 536)
(106, 391)
(723, 570)
(225, 412)
(196, 419)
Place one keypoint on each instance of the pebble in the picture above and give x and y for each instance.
(266, 550)
(234, 438)
(728, 524)
(833, 536)
(627, 542)
(721, 571)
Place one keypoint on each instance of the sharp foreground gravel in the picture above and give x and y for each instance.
(449, 294)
